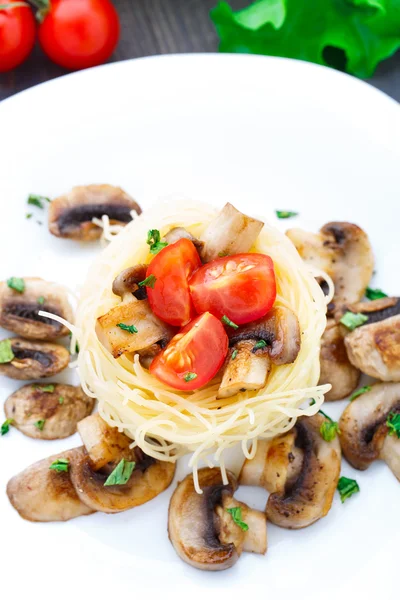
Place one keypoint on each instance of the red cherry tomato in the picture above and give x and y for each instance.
(170, 298)
(241, 287)
(17, 34)
(77, 34)
(194, 356)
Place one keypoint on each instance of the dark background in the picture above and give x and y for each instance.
(162, 27)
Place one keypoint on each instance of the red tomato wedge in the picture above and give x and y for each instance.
(170, 298)
(194, 356)
(242, 287)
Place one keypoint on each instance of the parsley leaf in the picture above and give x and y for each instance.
(347, 487)
(128, 328)
(6, 353)
(121, 473)
(44, 388)
(234, 354)
(353, 320)
(148, 282)
(393, 424)
(328, 430)
(28, 216)
(60, 465)
(374, 294)
(61, 400)
(40, 424)
(17, 284)
(285, 214)
(357, 393)
(40, 300)
(5, 428)
(154, 241)
(260, 344)
(190, 376)
(229, 322)
(236, 514)
(37, 200)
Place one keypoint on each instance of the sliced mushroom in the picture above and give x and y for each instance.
(247, 366)
(375, 310)
(19, 312)
(104, 444)
(59, 406)
(300, 469)
(126, 283)
(336, 368)
(34, 360)
(43, 494)
(70, 216)
(364, 433)
(231, 232)
(149, 478)
(177, 233)
(201, 530)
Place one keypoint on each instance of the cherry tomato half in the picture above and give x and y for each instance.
(17, 34)
(194, 356)
(77, 34)
(241, 286)
(170, 298)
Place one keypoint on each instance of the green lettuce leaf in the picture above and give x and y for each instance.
(350, 35)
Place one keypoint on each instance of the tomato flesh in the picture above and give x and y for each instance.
(194, 356)
(242, 287)
(170, 298)
(17, 35)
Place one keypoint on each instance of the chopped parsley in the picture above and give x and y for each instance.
(17, 284)
(229, 322)
(40, 300)
(347, 487)
(121, 473)
(5, 428)
(148, 282)
(393, 424)
(374, 294)
(236, 514)
(60, 465)
(128, 328)
(366, 388)
(6, 353)
(285, 214)
(353, 320)
(154, 241)
(28, 216)
(222, 254)
(61, 400)
(260, 344)
(234, 354)
(40, 424)
(328, 430)
(37, 200)
(44, 388)
(190, 376)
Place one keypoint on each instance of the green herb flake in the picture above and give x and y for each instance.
(260, 344)
(41, 300)
(150, 282)
(5, 428)
(28, 216)
(328, 430)
(128, 328)
(222, 254)
(234, 354)
(60, 465)
(154, 241)
(372, 294)
(61, 400)
(190, 376)
(236, 514)
(229, 322)
(121, 473)
(393, 424)
(6, 353)
(366, 388)
(353, 320)
(285, 214)
(40, 424)
(17, 284)
(37, 200)
(347, 487)
(312, 402)
(49, 389)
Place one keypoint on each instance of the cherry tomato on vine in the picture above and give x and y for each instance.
(77, 34)
(17, 33)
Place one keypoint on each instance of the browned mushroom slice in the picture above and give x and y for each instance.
(364, 431)
(231, 232)
(70, 216)
(178, 233)
(43, 494)
(19, 311)
(34, 360)
(104, 444)
(254, 539)
(336, 368)
(375, 310)
(126, 283)
(149, 478)
(244, 370)
(56, 407)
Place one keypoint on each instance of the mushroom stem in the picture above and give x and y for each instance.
(244, 370)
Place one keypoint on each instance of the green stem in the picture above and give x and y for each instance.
(10, 5)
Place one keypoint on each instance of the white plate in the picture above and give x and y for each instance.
(265, 134)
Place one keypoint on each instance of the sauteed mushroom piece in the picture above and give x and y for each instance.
(103, 443)
(230, 232)
(56, 407)
(177, 233)
(70, 216)
(41, 493)
(126, 283)
(274, 338)
(300, 469)
(19, 311)
(33, 360)
(364, 430)
(201, 529)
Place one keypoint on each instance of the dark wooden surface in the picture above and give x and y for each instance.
(162, 27)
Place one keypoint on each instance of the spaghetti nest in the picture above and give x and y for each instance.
(167, 423)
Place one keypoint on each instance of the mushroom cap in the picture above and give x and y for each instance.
(363, 427)
(30, 404)
(35, 360)
(177, 233)
(127, 282)
(104, 444)
(42, 494)
(19, 312)
(70, 216)
(149, 478)
(193, 526)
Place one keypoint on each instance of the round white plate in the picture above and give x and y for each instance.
(265, 134)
